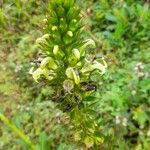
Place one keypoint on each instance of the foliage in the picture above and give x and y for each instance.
(124, 29)
(121, 32)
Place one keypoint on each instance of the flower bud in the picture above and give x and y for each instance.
(57, 52)
(54, 28)
(69, 73)
(62, 19)
(69, 33)
(76, 53)
(55, 49)
(74, 20)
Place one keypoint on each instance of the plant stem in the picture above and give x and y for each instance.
(6, 121)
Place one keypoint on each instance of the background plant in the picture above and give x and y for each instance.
(123, 97)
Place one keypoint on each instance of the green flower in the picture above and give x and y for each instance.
(72, 73)
(95, 65)
(48, 62)
(48, 74)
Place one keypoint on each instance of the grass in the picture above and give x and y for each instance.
(121, 32)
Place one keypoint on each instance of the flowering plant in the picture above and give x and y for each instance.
(64, 61)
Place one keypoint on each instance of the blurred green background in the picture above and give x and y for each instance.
(121, 30)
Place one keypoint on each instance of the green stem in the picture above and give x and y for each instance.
(6, 121)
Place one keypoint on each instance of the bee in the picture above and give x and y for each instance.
(59, 97)
(88, 86)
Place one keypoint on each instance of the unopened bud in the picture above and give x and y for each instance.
(70, 33)
(76, 53)
(55, 49)
(54, 28)
(62, 19)
(74, 20)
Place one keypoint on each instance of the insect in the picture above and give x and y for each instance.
(88, 86)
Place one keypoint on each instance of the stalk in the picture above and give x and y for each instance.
(19, 133)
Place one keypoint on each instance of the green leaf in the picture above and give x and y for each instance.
(111, 17)
(43, 144)
(90, 98)
(22, 143)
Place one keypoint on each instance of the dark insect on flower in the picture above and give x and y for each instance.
(68, 108)
(37, 62)
(88, 86)
(59, 97)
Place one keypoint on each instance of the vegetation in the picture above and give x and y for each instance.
(74, 106)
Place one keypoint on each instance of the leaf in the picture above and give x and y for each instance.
(89, 98)
(121, 16)
(118, 31)
(76, 53)
(111, 17)
(43, 145)
(22, 143)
